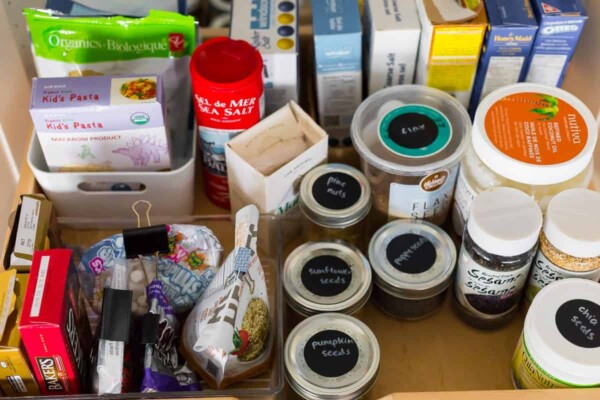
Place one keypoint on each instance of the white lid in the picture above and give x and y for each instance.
(504, 221)
(494, 147)
(559, 346)
(572, 223)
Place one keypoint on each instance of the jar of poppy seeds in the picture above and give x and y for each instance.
(413, 263)
(499, 243)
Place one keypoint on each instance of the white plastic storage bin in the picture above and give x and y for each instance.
(111, 194)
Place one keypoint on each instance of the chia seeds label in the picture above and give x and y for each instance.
(463, 197)
(411, 253)
(331, 353)
(430, 198)
(326, 275)
(415, 131)
(578, 321)
(544, 272)
(484, 291)
(336, 190)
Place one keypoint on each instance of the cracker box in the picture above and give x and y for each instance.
(451, 41)
(16, 377)
(272, 28)
(54, 325)
(338, 63)
(561, 23)
(510, 35)
(101, 123)
(34, 227)
(389, 23)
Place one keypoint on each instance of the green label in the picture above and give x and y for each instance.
(415, 131)
(82, 40)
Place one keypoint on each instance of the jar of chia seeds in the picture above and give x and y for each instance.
(331, 356)
(569, 242)
(412, 262)
(531, 137)
(560, 344)
(335, 199)
(499, 243)
(326, 276)
(411, 139)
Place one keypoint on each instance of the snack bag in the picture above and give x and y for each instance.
(185, 272)
(228, 335)
(161, 43)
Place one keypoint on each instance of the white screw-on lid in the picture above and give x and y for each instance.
(504, 221)
(534, 134)
(562, 331)
(572, 223)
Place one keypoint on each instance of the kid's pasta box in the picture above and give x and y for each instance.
(54, 325)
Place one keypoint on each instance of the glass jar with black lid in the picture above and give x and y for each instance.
(335, 199)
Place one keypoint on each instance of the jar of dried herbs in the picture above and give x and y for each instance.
(335, 199)
(569, 242)
(499, 243)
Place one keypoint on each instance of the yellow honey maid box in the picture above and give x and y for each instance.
(16, 378)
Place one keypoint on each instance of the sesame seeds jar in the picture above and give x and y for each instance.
(411, 139)
(326, 276)
(331, 356)
(335, 199)
(413, 263)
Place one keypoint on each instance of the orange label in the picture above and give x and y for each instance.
(536, 128)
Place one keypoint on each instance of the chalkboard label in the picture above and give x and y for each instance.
(331, 353)
(336, 190)
(411, 253)
(326, 275)
(578, 322)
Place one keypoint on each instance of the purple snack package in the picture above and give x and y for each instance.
(161, 361)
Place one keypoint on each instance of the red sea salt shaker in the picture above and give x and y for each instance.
(228, 99)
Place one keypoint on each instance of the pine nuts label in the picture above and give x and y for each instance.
(485, 291)
(544, 272)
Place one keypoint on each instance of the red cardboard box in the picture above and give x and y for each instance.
(54, 325)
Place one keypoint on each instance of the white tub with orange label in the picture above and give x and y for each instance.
(535, 138)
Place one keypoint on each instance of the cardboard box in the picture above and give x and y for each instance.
(561, 23)
(277, 192)
(392, 32)
(338, 54)
(34, 227)
(272, 28)
(16, 378)
(511, 32)
(54, 325)
(451, 40)
(101, 123)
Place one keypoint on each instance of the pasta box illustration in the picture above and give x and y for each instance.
(101, 123)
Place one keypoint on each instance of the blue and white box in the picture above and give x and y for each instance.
(338, 63)
(271, 26)
(561, 23)
(510, 35)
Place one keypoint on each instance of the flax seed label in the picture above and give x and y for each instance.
(536, 128)
(415, 131)
(336, 190)
(331, 353)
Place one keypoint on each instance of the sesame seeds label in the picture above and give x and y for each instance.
(331, 353)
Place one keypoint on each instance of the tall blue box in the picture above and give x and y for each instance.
(561, 23)
(510, 36)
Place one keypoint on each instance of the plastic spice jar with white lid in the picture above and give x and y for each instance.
(326, 276)
(411, 139)
(413, 264)
(331, 356)
(335, 199)
(569, 242)
(531, 137)
(499, 244)
(560, 344)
